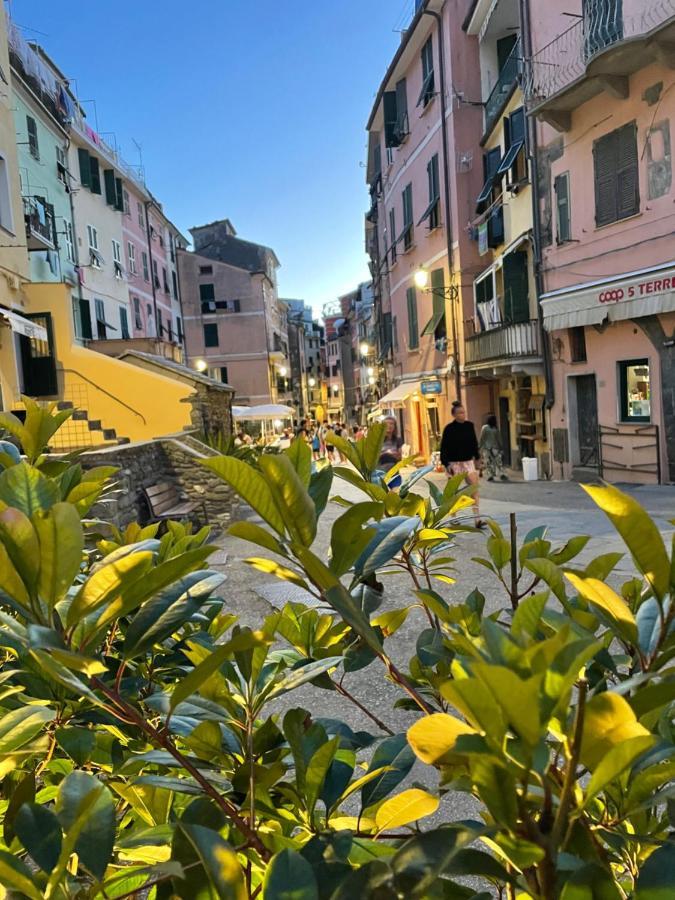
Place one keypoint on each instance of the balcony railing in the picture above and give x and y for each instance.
(506, 342)
(502, 89)
(39, 218)
(603, 25)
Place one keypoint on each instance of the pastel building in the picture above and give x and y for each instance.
(424, 175)
(600, 89)
(504, 350)
(235, 324)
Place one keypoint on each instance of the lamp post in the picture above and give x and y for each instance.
(450, 293)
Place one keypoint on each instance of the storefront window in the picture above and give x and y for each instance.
(635, 391)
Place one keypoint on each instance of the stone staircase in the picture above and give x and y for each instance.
(79, 431)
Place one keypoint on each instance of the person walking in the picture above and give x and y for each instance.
(460, 453)
(390, 452)
(490, 446)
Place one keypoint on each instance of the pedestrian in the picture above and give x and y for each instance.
(490, 446)
(460, 453)
(390, 453)
(316, 443)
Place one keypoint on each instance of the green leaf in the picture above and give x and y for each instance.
(21, 543)
(61, 546)
(549, 573)
(348, 538)
(249, 531)
(87, 813)
(527, 616)
(374, 491)
(251, 487)
(397, 756)
(406, 807)
(648, 621)
(301, 457)
(371, 446)
(591, 882)
(16, 875)
(291, 497)
(639, 533)
(58, 672)
(108, 583)
(391, 535)
(499, 550)
(219, 861)
(572, 548)
(303, 674)
(317, 770)
(78, 743)
(244, 640)
(656, 880)
(24, 792)
(608, 722)
(517, 697)
(346, 448)
(497, 789)
(290, 877)
(601, 596)
(27, 489)
(319, 488)
(169, 610)
(12, 585)
(270, 567)
(39, 831)
(20, 726)
(616, 761)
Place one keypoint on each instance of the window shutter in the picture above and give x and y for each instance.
(517, 126)
(438, 293)
(119, 195)
(628, 186)
(85, 319)
(402, 108)
(85, 168)
(95, 182)
(561, 188)
(516, 287)
(413, 331)
(390, 106)
(109, 181)
(605, 169)
(124, 323)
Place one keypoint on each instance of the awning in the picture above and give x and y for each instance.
(266, 411)
(400, 393)
(639, 294)
(24, 326)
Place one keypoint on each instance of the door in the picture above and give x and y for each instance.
(587, 420)
(505, 429)
(38, 364)
(516, 287)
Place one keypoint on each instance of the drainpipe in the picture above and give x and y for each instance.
(76, 249)
(147, 205)
(525, 20)
(446, 182)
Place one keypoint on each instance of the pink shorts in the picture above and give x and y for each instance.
(466, 467)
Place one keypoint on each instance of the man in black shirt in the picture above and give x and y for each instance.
(460, 453)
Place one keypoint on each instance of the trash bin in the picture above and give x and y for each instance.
(530, 468)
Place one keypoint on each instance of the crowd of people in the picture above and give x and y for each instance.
(462, 452)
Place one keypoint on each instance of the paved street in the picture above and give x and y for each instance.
(562, 506)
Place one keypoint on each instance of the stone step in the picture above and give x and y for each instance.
(109, 434)
(123, 440)
(80, 415)
(64, 404)
(95, 425)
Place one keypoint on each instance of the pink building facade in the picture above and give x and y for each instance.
(599, 91)
(422, 202)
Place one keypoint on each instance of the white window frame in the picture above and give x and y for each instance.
(6, 211)
(94, 252)
(70, 241)
(116, 251)
(141, 218)
(131, 250)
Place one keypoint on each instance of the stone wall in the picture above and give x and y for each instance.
(211, 410)
(173, 459)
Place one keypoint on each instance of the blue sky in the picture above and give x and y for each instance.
(248, 109)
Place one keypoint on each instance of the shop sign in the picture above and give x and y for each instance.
(431, 386)
(634, 289)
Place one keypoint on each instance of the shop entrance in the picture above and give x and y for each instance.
(584, 421)
(38, 365)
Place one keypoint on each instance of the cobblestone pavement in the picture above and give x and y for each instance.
(562, 506)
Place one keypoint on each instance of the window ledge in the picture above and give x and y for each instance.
(619, 221)
(405, 251)
(428, 105)
(8, 231)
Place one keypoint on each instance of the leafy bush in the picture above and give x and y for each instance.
(149, 746)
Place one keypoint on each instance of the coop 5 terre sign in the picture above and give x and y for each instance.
(633, 290)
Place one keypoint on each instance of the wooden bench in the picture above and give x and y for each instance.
(165, 502)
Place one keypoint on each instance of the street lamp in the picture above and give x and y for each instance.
(451, 293)
(283, 371)
(371, 380)
(365, 349)
(335, 388)
(312, 382)
(201, 365)
(371, 370)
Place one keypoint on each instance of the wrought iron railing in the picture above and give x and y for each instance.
(502, 89)
(603, 24)
(39, 218)
(521, 339)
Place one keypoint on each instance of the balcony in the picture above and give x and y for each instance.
(117, 346)
(39, 218)
(504, 345)
(501, 92)
(599, 52)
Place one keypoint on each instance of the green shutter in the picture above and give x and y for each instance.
(516, 287)
(109, 180)
(413, 331)
(628, 187)
(605, 168)
(119, 195)
(438, 299)
(85, 319)
(124, 323)
(95, 184)
(85, 168)
(562, 199)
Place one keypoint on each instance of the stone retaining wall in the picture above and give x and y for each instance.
(175, 459)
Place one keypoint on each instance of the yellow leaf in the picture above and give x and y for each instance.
(404, 808)
(602, 596)
(352, 823)
(434, 737)
(273, 568)
(608, 721)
